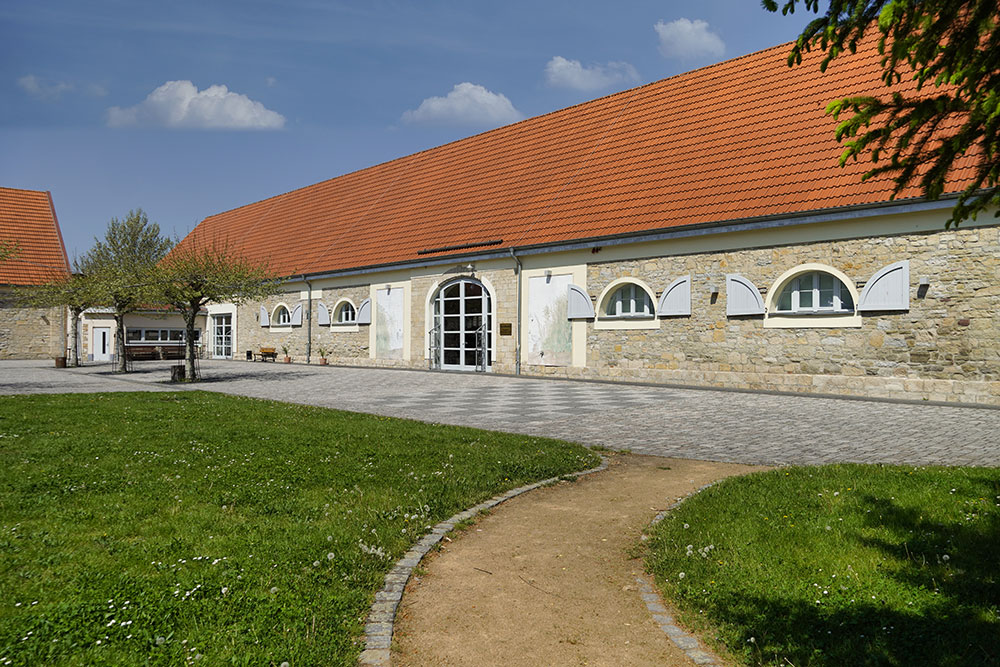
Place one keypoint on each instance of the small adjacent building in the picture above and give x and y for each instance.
(28, 220)
(695, 231)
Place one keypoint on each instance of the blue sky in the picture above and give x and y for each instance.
(190, 108)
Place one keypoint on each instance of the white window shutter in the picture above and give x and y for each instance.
(676, 299)
(888, 289)
(742, 296)
(579, 306)
(265, 319)
(323, 314)
(364, 315)
(297, 316)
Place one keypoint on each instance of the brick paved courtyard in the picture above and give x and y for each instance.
(686, 423)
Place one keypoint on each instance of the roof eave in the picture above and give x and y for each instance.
(819, 216)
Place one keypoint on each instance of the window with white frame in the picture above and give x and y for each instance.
(629, 300)
(346, 314)
(282, 317)
(815, 292)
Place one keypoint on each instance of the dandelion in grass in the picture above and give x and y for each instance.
(330, 556)
(274, 589)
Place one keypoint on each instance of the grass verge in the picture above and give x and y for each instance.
(840, 565)
(199, 528)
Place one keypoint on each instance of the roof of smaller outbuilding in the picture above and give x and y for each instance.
(741, 140)
(28, 219)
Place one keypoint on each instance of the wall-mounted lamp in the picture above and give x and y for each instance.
(922, 287)
(548, 275)
(471, 268)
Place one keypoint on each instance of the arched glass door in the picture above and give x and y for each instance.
(462, 336)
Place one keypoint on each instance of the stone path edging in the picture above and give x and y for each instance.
(381, 617)
(651, 596)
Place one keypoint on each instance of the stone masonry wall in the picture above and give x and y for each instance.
(946, 347)
(341, 345)
(30, 333)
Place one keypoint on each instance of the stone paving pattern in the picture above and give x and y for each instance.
(755, 428)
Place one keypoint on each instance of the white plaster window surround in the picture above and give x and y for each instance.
(283, 318)
(626, 303)
(812, 296)
(345, 317)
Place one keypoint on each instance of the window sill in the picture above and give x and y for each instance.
(275, 328)
(344, 327)
(815, 320)
(623, 323)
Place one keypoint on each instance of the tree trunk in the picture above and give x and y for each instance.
(190, 315)
(121, 362)
(74, 332)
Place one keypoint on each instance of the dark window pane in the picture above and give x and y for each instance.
(472, 323)
(452, 323)
(452, 307)
(133, 334)
(470, 358)
(474, 305)
(472, 289)
(452, 340)
(470, 340)
(451, 357)
(452, 291)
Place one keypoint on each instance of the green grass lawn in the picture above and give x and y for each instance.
(197, 528)
(841, 565)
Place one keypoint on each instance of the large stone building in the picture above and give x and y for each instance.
(28, 221)
(696, 230)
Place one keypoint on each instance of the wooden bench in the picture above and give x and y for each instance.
(266, 353)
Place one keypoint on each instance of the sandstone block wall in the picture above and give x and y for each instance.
(30, 333)
(946, 347)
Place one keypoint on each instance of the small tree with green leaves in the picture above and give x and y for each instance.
(123, 267)
(951, 49)
(192, 277)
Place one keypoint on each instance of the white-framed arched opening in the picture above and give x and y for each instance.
(812, 295)
(344, 316)
(461, 316)
(627, 303)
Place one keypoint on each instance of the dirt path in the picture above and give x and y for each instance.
(546, 579)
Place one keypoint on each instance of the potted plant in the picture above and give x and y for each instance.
(284, 351)
(322, 356)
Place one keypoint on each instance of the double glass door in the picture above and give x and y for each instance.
(222, 336)
(463, 326)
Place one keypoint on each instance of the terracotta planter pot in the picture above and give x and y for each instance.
(288, 360)
(322, 361)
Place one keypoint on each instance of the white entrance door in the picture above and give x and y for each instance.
(222, 336)
(463, 326)
(102, 343)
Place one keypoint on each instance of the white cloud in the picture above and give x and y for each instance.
(36, 87)
(684, 38)
(565, 73)
(466, 104)
(179, 104)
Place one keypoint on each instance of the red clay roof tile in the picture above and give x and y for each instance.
(742, 139)
(28, 219)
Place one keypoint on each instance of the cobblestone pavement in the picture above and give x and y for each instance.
(686, 423)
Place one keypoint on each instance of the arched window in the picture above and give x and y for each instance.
(629, 300)
(346, 314)
(815, 292)
(282, 317)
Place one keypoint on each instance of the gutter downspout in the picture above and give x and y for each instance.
(517, 352)
(309, 318)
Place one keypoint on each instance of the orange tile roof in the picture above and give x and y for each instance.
(28, 218)
(742, 139)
